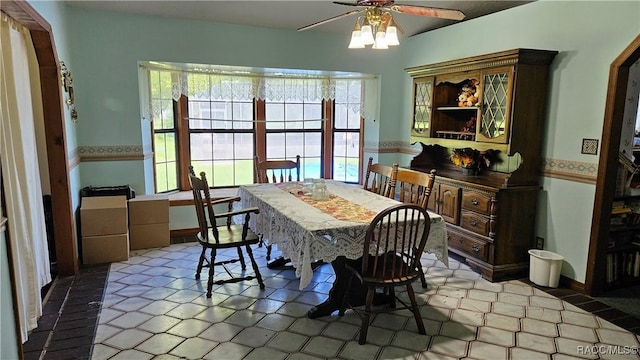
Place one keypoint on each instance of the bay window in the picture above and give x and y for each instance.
(219, 121)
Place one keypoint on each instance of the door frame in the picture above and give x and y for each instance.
(608, 167)
(55, 134)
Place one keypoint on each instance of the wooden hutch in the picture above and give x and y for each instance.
(491, 215)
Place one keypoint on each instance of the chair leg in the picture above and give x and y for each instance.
(392, 297)
(345, 298)
(269, 252)
(367, 315)
(255, 266)
(422, 278)
(210, 281)
(203, 256)
(415, 309)
(242, 264)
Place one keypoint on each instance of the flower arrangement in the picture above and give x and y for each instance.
(469, 158)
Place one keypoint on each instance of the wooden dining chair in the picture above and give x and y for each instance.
(213, 237)
(393, 245)
(414, 187)
(380, 178)
(277, 171)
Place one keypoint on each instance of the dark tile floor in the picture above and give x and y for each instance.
(70, 317)
(67, 328)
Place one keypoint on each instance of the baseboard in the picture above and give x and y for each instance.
(572, 284)
(183, 232)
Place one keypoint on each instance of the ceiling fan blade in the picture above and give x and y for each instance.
(346, 3)
(429, 11)
(330, 19)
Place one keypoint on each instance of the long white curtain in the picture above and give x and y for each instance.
(21, 108)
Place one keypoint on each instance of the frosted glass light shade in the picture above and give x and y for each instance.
(367, 35)
(356, 40)
(380, 42)
(391, 36)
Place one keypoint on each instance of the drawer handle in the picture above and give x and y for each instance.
(475, 248)
(461, 240)
(475, 202)
(473, 223)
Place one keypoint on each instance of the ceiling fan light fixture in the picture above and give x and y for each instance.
(356, 37)
(367, 33)
(391, 36)
(381, 41)
(356, 40)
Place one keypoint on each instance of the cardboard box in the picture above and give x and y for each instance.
(105, 248)
(149, 209)
(104, 215)
(147, 236)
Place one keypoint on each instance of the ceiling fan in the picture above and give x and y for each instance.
(378, 20)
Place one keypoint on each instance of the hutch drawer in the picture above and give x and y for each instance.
(470, 246)
(471, 221)
(476, 201)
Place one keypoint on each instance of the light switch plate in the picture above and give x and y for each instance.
(590, 146)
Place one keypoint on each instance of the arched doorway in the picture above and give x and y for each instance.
(608, 166)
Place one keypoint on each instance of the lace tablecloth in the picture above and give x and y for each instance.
(304, 233)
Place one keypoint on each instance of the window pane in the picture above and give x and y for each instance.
(243, 112)
(312, 144)
(353, 144)
(222, 173)
(222, 146)
(244, 172)
(313, 112)
(274, 115)
(160, 148)
(172, 179)
(276, 146)
(346, 169)
(354, 116)
(161, 177)
(310, 168)
(340, 116)
(346, 156)
(206, 166)
(243, 146)
(201, 146)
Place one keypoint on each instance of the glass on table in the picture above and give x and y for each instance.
(307, 186)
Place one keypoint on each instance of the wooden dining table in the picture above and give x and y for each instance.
(330, 230)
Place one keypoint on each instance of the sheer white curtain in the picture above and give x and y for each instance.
(21, 108)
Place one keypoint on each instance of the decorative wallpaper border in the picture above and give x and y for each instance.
(570, 170)
(554, 168)
(112, 153)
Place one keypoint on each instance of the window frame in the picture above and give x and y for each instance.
(327, 133)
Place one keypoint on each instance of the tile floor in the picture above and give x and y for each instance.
(153, 308)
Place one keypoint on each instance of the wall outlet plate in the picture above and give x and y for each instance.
(539, 243)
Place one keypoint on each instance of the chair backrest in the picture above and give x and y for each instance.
(202, 200)
(277, 170)
(415, 186)
(395, 240)
(381, 179)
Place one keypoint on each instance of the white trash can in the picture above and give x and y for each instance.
(544, 268)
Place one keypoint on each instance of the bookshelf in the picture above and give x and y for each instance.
(623, 246)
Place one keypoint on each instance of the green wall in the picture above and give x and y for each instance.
(589, 35)
(108, 46)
